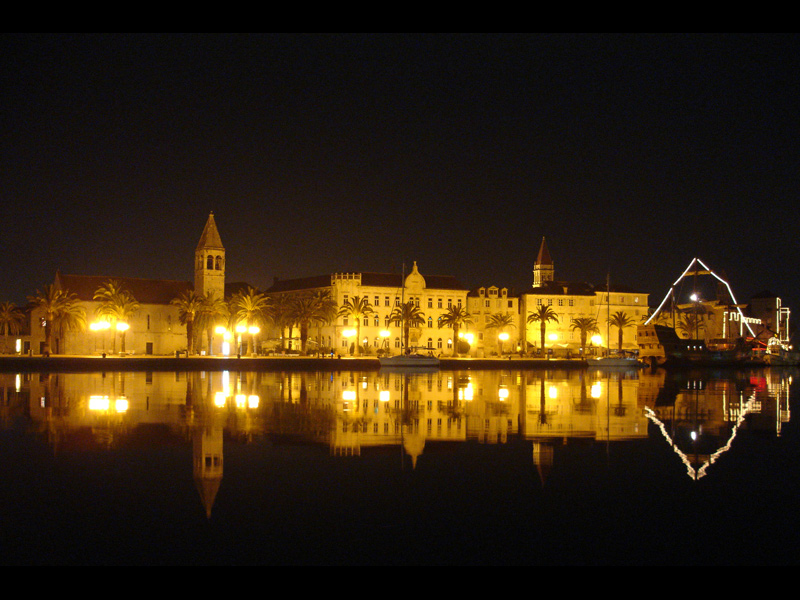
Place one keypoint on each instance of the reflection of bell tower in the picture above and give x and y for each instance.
(544, 271)
(209, 262)
(207, 453)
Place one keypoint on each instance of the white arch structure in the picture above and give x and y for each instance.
(706, 271)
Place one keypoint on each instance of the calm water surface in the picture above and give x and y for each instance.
(347, 468)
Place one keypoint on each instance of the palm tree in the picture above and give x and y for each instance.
(213, 312)
(57, 306)
(411, 317)
(690, 324)
(620, 320)
(356, 308)
(190, 305)
(455, 317)
(543, 315)
(500, 321)
(326, 311)
(308, 309)
(11, 319)
(251, 309)
(586, 325)
(117, 305)
(280, 313)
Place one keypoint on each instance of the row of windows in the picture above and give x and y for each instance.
(387, 301)
(376, 322)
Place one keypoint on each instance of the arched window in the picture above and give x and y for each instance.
(430, 322)
(218, 265)
(210, 263)
(430, 343)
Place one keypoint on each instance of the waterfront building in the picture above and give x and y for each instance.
(433, 295)
(577, 300)
(154, 328)
(495, 321)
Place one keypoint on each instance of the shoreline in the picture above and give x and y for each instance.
(94, 364)
(276, 363)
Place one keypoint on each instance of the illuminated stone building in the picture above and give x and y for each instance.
(432, 294)
(488, 306)
(576, 300)
(155, 328)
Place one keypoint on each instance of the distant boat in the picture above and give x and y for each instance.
(615, 362)
(413, 361)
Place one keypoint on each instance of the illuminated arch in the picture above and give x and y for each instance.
(706, 271)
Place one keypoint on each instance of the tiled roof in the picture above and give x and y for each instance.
(146, 291)
(210, 238)
(386, 280)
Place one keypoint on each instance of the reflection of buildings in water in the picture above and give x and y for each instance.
(349, 413)
(700, 417)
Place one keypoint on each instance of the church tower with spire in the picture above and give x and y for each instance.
(544, 270)
(209, 262)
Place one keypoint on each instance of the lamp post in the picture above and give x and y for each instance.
(503, 337)
(254, 331)
(385, 335)
(348, 334)
(102, 327)
(240, 330)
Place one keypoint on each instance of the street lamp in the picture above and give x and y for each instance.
(240, 329)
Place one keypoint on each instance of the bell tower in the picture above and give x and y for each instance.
(209, 262)
(544, 271)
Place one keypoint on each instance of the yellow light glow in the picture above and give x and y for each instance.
(100, 326)
(18, 383)
(385, 396)
(99, 403)
(386, 334)
(503, 394)
(121, 405)
(597, 340)
(466, 394)
(348, 396)
(504, 337)
(253, 401)
(553, 392)
(220, 399)
(241, 401)
(553, 337)
(254, 330)
(597, 391)
(123, 326)
(241, 328)
(18, 346)
(348, 333)
(221, 330)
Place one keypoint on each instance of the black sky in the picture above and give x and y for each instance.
(325, 152)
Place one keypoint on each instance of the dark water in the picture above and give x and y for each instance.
(483, 468)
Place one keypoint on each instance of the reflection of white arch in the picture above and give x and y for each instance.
(708, 272)
(693, 473)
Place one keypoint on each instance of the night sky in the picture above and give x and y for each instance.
(344, 152)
